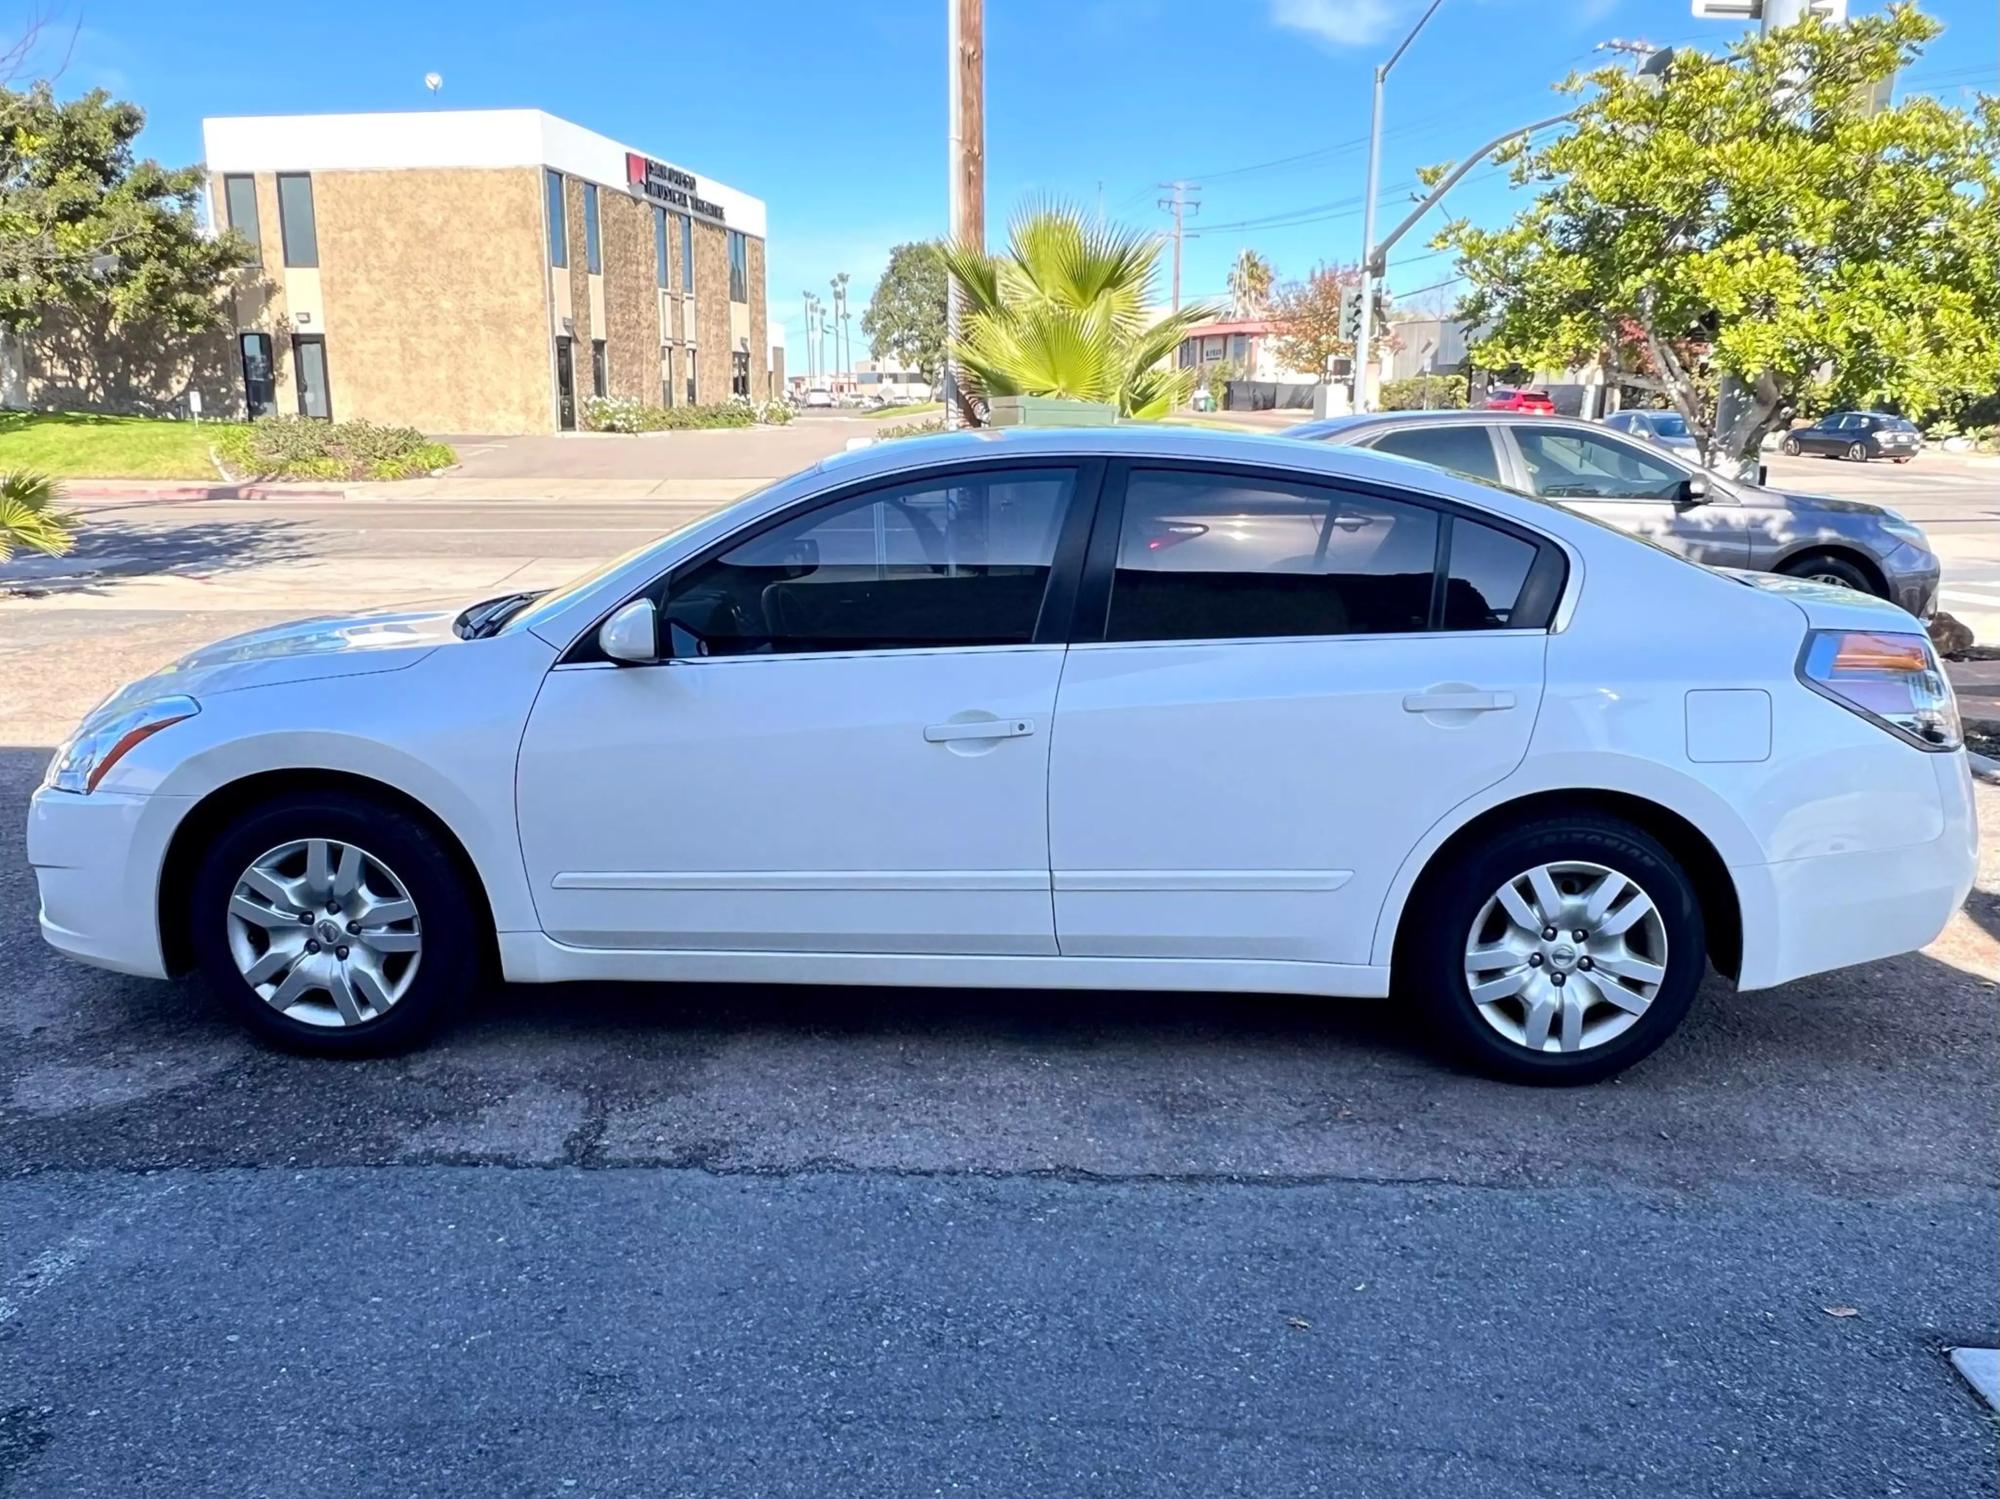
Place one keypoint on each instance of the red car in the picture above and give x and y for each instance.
(1520, 398)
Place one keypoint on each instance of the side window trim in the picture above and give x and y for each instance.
(1052, 623)
(1541, 594)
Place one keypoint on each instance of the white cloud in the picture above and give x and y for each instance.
(1344, 23)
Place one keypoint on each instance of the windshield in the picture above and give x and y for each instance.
(1670, 425)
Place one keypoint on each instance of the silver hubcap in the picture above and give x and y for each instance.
(1834, 578)
(1566, 956)
(324, 932)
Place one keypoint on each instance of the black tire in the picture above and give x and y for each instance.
(1831, 569)
(1431, 956)
(455, 939)
(1857, 452)
(1790, 446)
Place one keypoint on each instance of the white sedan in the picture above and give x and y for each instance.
(1112, 709)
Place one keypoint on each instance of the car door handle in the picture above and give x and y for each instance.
(1458, 702)
(993, 728)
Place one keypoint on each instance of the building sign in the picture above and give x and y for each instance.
(668, 185)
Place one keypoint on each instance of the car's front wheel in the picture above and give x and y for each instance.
(1858, 451)
(1837, 571)
(1561, 951)
(331, 924)
(1790, 446)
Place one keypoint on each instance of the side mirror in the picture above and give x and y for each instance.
(632, 635)
(1694, 490)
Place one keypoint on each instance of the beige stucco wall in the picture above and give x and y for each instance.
(760, 386)
(631, 296)
(711, 309)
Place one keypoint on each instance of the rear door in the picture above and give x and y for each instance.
(1632, 486)
(1277, 686)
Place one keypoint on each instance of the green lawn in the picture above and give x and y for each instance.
(78, 445)
(915, 408)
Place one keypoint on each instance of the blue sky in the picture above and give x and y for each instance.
(835, 114)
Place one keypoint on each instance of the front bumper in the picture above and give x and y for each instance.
(1812, 915)
(1913, 575)
(97, 861)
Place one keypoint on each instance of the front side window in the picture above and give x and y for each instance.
(295, 219)
(1569, 465)
(593, 250)
(1219, 557)
(239, 199)
(957, 561)
(552, 206)
(1462, 448)
(739, 268)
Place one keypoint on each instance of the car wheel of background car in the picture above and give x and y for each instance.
(1560, 951)
(1858, 451)
(1790, 446)
(332, 925)
(1835, 570)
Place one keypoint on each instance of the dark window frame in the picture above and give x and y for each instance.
(661, 267)
(255, 232)
(553, 199)
(1052, 622)
(1541, 595)
(738, 250)
(244, 337)
(286, 222)
(325, 369)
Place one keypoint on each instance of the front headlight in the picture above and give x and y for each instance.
(102, 740)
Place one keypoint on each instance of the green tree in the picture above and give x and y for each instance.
(1068, 311)
(905, 320)
(1308, 311)
(1753, 233)
(88, 228)
(31, 517)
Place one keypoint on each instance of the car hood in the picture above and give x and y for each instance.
(303, 651)
(1829, 607)
(1792, 499)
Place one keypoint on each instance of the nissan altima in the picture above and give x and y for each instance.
(1119, 708)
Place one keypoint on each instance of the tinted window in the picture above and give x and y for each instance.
(240, 201)
(1897, 424)
(552, 194)
(593, 253)
(739, 268)
(1460, 449)
(1570, 465)
(1215, 557)
(1489, 568)
(687, 258)
(1669, 424)
(295, 219)
(659, 245)
(955, 562)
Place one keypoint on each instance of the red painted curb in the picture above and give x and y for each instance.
(140, 490)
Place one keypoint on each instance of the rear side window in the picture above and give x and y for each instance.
(1461, 449)
(959, 561)
(1206, 556)
(1489, 573)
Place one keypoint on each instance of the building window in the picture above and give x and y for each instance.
(309, 370)
(552, 191)
(593, 254)
(739, 374)
(239, 198)
(688, 357)
(687, 252)
(666, 375)
(1239, 346)
(739, 267)
(660, 246)
(295, 219)
(260, 378)
(600, 368)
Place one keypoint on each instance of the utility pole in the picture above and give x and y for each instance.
(812, 325)
(1180, 203)
(1360, 396)
(966, 62)
(840, 316)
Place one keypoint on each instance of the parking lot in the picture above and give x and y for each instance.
(610, 1240)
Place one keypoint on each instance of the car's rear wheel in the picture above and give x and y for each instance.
(332, 925)
(1837, 571)
(1790, 446)
(1561, 951)
(1858, 451)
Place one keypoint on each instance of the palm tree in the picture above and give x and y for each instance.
(1064, 312)
(29, 516)
(1250, 282)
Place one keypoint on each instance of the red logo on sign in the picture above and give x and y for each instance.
(635, 167)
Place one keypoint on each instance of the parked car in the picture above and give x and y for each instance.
(1667, 428)
(1663, 495)
(1519, 398)
(818, 398)
(1111, 708)
(1858, 436)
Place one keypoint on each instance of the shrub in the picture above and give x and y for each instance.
(300, 447)
(624, 414)
(1423, 393)
(909, 429)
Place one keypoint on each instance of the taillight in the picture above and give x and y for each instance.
(1893, 679)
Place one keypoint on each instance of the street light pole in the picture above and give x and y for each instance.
(1360, 389)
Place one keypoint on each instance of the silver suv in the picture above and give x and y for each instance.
(1643, 488)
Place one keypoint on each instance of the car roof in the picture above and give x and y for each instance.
(1355, 426)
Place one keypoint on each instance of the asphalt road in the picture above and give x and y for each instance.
(607, 1240)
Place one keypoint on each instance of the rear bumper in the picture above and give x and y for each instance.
(1806, 916)
(97, 862)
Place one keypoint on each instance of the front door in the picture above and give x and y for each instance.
(847, 751)
(1631, 486)
(1283, 701)
(565, 384)
(309, 369)
(260, 379)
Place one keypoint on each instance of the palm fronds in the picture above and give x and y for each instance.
(31, 517)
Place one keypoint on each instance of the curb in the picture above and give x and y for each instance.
(139, 489)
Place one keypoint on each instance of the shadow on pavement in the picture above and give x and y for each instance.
(109, 550)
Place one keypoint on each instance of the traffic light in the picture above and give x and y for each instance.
(1350, 313)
